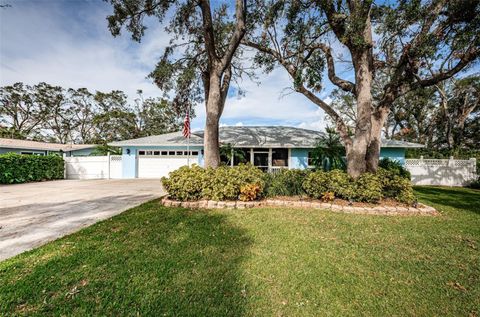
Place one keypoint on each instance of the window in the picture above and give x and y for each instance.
(32, 153)
(166, 153)
(280, 157)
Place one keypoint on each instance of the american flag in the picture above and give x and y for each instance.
(186, 125)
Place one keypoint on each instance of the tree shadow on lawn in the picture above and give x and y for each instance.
(455, 197)
(150, 260)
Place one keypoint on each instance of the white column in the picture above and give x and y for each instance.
(289, 159)
(270, 152)
(233, 157)
(108, 164)
(64, 165)
(251, 156)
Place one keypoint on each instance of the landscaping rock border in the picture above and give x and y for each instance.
(421, 209)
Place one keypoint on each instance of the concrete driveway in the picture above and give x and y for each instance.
(35, 213)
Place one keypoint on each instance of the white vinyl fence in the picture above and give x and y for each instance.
(441, 172)
(93, 167)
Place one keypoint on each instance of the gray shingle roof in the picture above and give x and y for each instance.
(43, 146)
(254, 136)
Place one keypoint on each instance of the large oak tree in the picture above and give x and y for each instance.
(412, 44)
(199, 62)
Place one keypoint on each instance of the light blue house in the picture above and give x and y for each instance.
(44, 148)
(268, 147)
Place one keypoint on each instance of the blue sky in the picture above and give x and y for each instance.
(67, 43)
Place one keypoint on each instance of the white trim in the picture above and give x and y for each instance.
(289, 159)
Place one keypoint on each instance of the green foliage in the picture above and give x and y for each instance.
(329, 152)
(395, 167)
(185, 183)
(475, 184)
(366, 188)
(222, 183)
(17, 168)
(336, 181)
(285, 183)
(229, 153)
(104, 149)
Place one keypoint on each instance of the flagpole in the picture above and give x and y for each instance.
(188, 138)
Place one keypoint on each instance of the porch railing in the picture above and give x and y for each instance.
(276, 169)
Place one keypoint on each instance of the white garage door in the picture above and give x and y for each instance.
(156, 164)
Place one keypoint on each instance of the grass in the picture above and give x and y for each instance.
(156, 261)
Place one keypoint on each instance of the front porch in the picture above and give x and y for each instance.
(269, 160)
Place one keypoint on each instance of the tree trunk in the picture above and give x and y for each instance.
(214, 108)
(356, 157)
(373, 151)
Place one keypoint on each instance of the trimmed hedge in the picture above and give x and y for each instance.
(222, 183)
(285, 183)
(366, 188)
(247, 182)
(18, 168)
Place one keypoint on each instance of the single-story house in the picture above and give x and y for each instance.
(44, 148)
(268, 147)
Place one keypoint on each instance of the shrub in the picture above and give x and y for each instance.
(222, 183)
(475, 184)
(185, 183)
(395, 167)
(336, 181)
(285, 183)
(18, 168)
(395, 186)
(315, 184)
(250, 192)
(328, 197)
(368, 188)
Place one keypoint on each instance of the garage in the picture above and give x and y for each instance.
(156, 164)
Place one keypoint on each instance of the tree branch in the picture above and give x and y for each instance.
(345, 85)
(208, 30)
(238, 33)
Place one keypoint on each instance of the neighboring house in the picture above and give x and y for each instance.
(44, 148)
(268, 147)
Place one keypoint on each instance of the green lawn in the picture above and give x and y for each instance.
(161, 261)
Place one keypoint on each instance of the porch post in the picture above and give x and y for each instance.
(233, 157)
(270, 152)
(289, 158)
(251, 156)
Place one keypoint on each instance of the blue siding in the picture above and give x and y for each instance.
(299, 158)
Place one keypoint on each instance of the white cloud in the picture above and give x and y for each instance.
(51, 42)
(40, 46)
